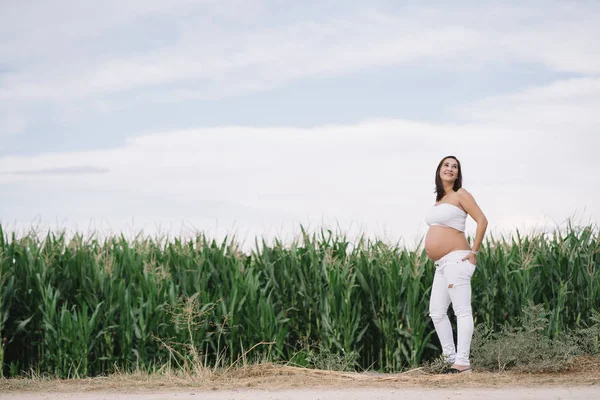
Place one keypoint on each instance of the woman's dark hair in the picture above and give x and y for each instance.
(439, 187)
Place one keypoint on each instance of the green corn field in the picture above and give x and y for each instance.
(84, 307)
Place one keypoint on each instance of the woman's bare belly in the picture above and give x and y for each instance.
(441, 240)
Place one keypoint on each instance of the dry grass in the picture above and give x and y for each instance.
(586, 372)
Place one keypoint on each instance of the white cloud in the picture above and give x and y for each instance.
(527, 156)
(559, 128)
(377, 174)
(578, 96)
(203, 60)
(75, 60)
(11, 124)
(249, 60)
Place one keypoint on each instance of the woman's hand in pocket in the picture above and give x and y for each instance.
(472, 258)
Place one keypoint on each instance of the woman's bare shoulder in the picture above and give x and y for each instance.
(464, 195)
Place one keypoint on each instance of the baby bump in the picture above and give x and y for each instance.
(441, 240)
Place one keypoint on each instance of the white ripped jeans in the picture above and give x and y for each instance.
(452, 284)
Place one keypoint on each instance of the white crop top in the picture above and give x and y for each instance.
(446, 214)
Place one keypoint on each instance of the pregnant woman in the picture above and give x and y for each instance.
(454, 261)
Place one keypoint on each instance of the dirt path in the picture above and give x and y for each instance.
(272, 382)
(572, 393)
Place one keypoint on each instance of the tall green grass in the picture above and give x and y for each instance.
(83, 307)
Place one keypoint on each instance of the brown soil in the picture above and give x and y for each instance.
(583, 377)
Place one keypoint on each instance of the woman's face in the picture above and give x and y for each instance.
(449, 170)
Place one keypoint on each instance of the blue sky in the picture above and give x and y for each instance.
(256, 116)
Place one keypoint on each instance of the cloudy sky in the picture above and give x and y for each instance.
(251, 117)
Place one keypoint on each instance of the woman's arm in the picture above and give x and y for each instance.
(469, 204)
